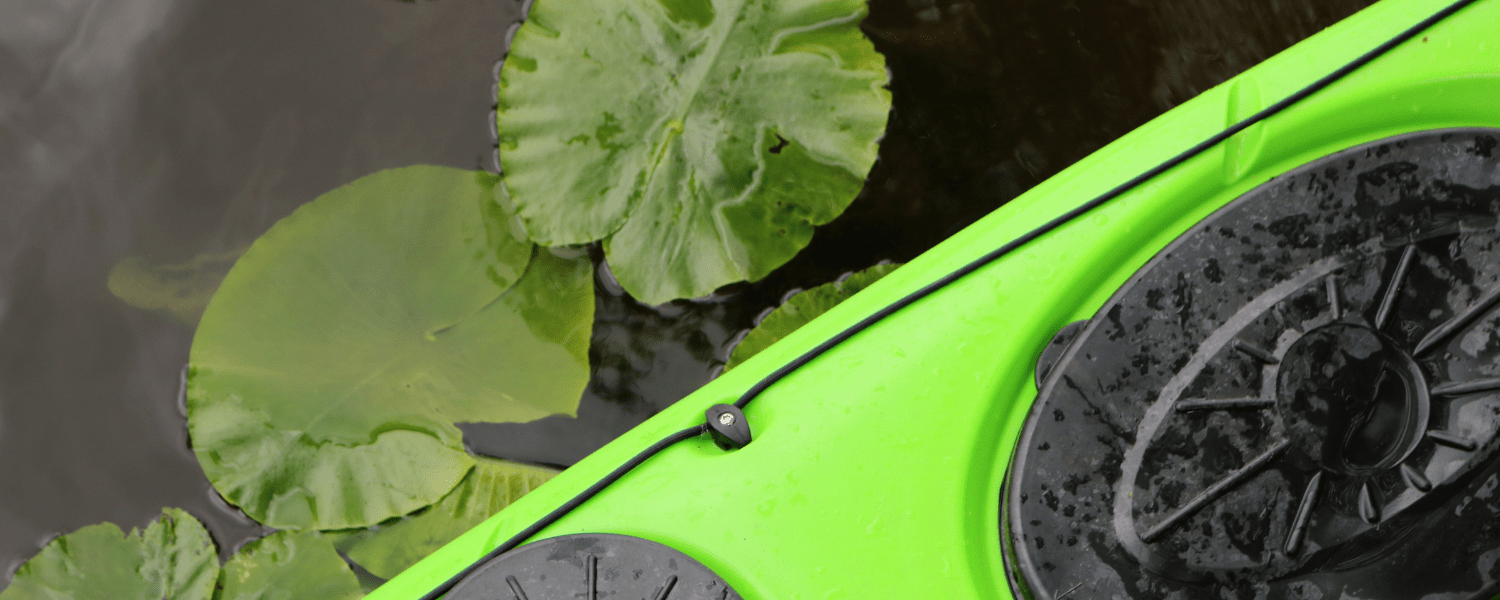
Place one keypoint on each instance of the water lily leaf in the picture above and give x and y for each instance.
(172, 558)
(181, 290)
(387, 550)
(802, 308)
(289, 565)
(328, 371)
(701, 139)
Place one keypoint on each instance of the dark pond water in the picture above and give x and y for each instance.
(172, 129)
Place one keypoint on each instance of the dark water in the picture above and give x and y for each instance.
(171, 129)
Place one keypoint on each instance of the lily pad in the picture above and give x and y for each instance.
(328, 371)
(387, 550)
(289, 565)
(172, 558)
(700, 139)
(801, 309)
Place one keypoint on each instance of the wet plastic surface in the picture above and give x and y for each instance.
(1296, 399)
(593, 566)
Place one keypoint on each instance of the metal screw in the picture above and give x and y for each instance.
(726, 419)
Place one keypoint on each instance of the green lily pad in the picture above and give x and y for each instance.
(289, 565)
(802, 308)
(387, 550)
(328, 371)
(172, 558)
(701, 139)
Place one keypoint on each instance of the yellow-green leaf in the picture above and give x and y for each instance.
(802, 308)
(389, 549)
(289, 565)
(172, 558)
(329, 369)
(700, 139)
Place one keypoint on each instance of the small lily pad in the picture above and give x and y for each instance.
(289, 565)
(172, 558)
(802, 308)
(700, 139)
(328, 371)
(387, 550)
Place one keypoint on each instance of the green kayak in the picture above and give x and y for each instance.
(1248, 350)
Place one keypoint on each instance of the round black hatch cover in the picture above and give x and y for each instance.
(593, 566)
(1297, 399)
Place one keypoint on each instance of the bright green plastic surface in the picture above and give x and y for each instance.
(876, 469)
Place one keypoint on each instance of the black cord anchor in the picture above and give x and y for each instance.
(728, 426)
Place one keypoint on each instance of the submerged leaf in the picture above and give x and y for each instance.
(172, 558)
(802, 308)
(329, 370)
(289, 565)
(182, 289)
(493, 484)
(708, 140)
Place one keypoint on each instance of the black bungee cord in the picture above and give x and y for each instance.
(911, 298)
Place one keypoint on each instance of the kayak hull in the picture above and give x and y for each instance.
(876, 470)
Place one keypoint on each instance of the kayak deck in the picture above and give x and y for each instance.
(876, 469)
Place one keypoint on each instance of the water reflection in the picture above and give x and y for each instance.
(181, 290)
(169, 129)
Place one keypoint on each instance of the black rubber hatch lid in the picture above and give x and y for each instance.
(1298, 398)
